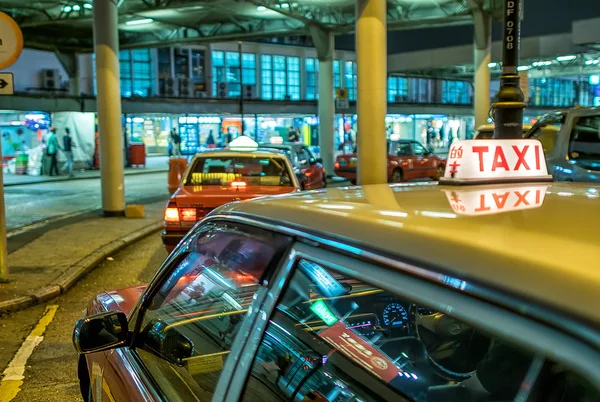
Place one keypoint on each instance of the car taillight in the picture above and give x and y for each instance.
(188, 214)
(172, 215)
(336, 165)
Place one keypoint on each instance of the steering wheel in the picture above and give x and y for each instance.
(454, 348)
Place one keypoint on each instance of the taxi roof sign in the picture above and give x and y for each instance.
(496, 161)
(243, 143)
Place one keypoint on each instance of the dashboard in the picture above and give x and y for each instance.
(380, 314)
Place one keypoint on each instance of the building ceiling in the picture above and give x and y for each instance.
(66, 25)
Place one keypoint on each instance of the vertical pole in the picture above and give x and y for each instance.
(326, 112)
(509, 105)
(3, 244)
(482, 57)
(241, 84)
(371, 59)
(106, 44)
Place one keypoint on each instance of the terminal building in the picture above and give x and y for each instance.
(264, 87)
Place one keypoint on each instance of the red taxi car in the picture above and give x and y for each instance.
(214, 178)
(407, 160)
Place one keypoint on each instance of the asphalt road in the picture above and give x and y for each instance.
(30, 203)
(51, 371)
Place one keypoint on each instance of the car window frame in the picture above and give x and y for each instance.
(410, 148)
(164, 273)
(425, 150)
(559, 146)
(574, 121)
(420, 284)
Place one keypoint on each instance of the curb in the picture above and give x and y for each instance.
(131, 173)
(76, 271)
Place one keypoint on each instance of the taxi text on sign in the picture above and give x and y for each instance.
(11, 41)
(487, 201)
(496, 160)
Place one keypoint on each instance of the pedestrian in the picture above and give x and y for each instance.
(210, 141)
(52, 151)
(292, 136)
(176, 140)
(67, 148)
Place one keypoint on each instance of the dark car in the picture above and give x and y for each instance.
(309, 170)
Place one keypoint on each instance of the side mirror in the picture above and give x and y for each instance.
(101, 332)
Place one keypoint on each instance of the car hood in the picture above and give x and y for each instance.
(214, 196)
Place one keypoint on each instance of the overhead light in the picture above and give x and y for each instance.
(523, 68)
(67, 9)
(285, 5)
(261, 8)
(88, 6)
(140, 22)
(590, 62)
(594, 79)
(541, 63)
(566, 58)
(492, 65)
(76, 7)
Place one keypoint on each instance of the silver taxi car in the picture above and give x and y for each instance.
(465, 291)
(571, 140)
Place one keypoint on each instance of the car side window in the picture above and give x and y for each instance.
(191, 322)
(584, 144)
(303, 157)
(547, 133)
(404, 149)
(334, 338)
(418, 149)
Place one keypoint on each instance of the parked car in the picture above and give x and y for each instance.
(407, 160)
(486, 131)
(571, 140)
(309, 170)
(214, 178)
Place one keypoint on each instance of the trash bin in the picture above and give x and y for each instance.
(137, 154)
(177, 166)
(21, 164)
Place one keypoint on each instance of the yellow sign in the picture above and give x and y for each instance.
(11, 41)
(341, 93)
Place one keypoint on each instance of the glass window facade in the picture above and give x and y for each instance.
(312, 79)
(125, 72)
(143, 72)
(227, 69)
(350, 76)
(553, 92)
(293, 79)
(397, 89)
(266, 76)
(456, 92)
(280, 78)
(337, 77)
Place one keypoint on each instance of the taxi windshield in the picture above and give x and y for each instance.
(584, 144)
(252, 170)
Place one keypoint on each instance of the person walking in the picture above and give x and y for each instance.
(176, 140)
(52, 152)
(68, 146)
(210, 141)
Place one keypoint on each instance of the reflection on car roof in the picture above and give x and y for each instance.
(522, 251)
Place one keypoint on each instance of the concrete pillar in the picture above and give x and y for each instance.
(324, 44)
(481, 59)
(106, 45)
(70, 62)
(371, 59)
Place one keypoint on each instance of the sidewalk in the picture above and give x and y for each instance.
(60, 253)
(154, 164)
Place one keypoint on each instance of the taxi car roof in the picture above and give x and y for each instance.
(548, 254)
(260, 153)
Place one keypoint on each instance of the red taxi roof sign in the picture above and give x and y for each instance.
(495, 161)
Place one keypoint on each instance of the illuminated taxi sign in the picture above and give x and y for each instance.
(322, 311)
(490, 161)
(496, 200)
(243, 143)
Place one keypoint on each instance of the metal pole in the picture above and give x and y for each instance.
(510, 102)
(241, 84)
(3, 245)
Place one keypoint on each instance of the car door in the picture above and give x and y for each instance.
(425, 163)
(341, 328)
(308, 168)
(196, 314)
